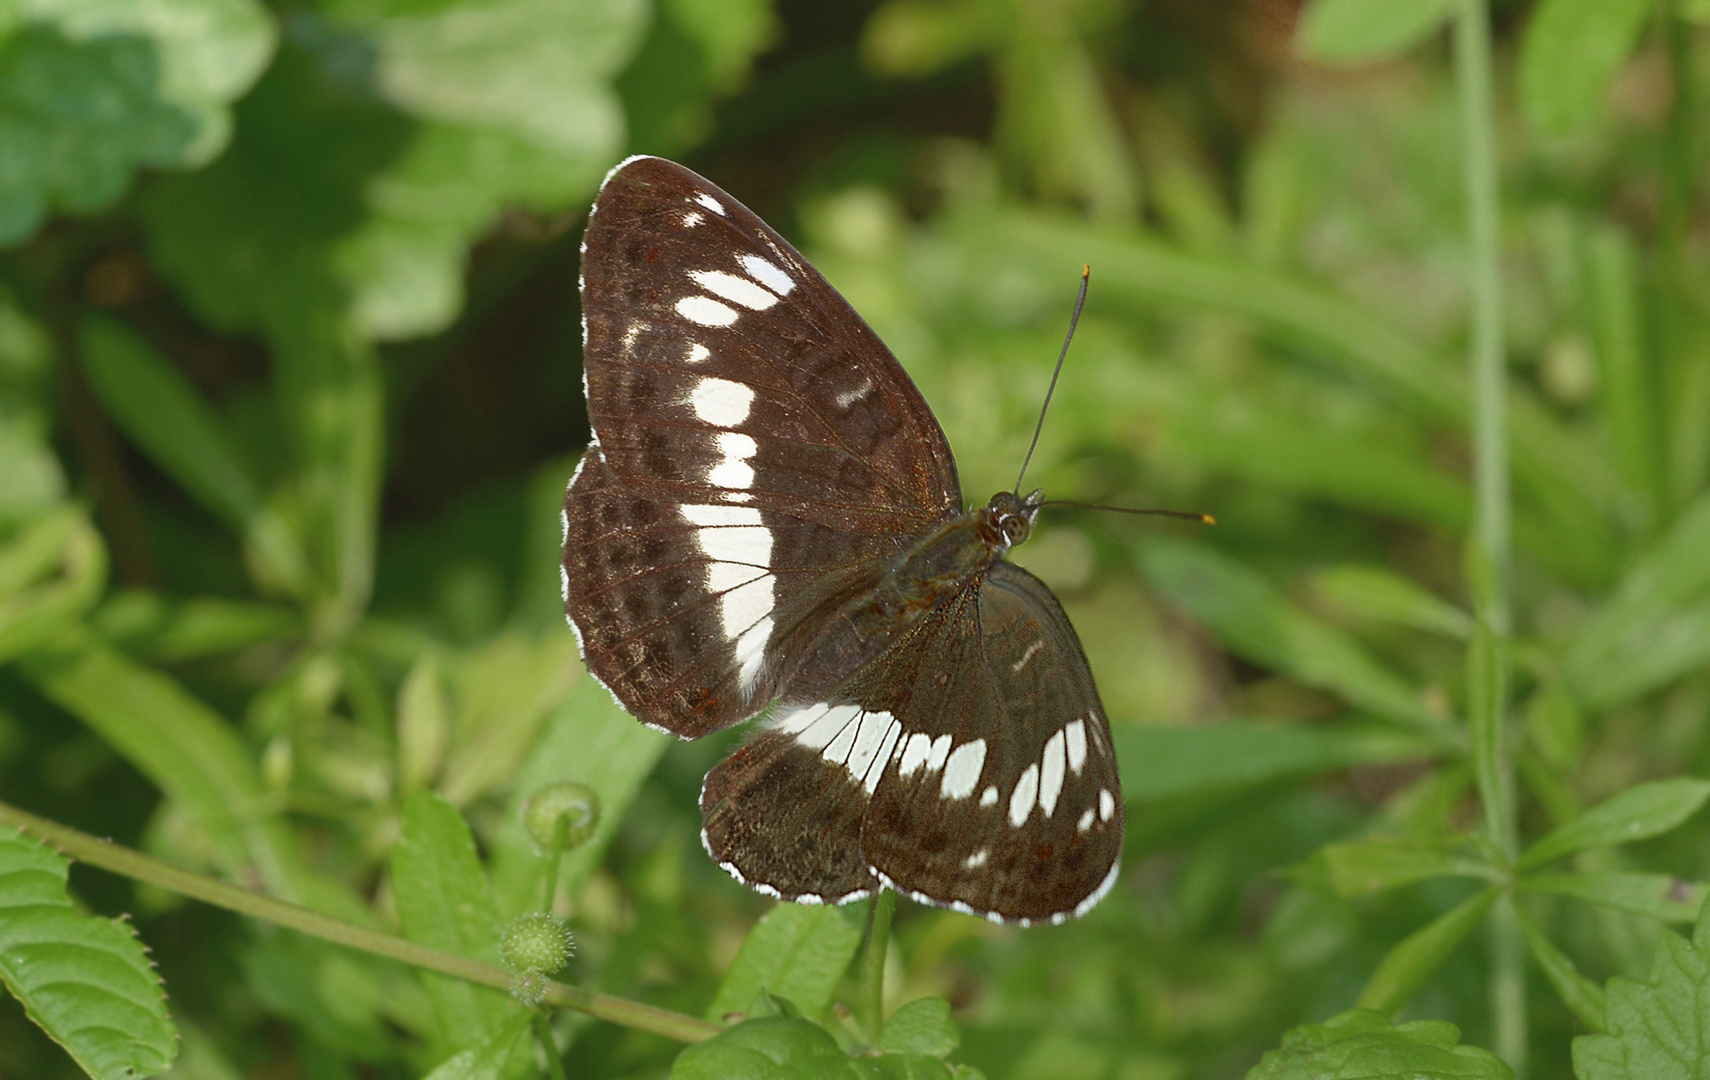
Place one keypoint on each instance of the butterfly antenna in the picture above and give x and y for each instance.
(1185, 515)
(1074, 320)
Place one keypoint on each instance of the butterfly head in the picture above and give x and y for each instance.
(1008, 519)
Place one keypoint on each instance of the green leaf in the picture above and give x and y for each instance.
(94, 91)
(1639, 813)
(1360, 1043)
(787, 1048)
(1368, 866)
(1568, 53)
(1169, 761)
(795, 952)
(1382, 595)
(171, 422)
(1580, 994)
(153, 627)
(183, 747)
(1658, 1029)
(1487, 700)
(1658, 896)
(922, 1026)
(1418, 956)
(487, 1061)
(505, 690)
(1363, 30)
(1261, 625)
(424, 724)
(86, 982)
(50, 574)
(377, 177)
(444, 903)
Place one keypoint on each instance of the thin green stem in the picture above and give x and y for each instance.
(1489, 550)
(137, 866)
(873, 965)
(548, 1046)
(560, 833)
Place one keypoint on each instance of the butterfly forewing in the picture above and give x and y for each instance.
(769, 515)
(753, 438)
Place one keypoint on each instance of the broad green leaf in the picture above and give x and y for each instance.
(1695, 10)
(50, 574)
(695, 50)
(1382, 595)
(923, 1026)
(788, 1048)
(1364, 30)
(185, 748)
(169, 419)
(1580, 994)
(1658, 1029)
(87, 982)
(487, 1061)
(1360, 1044)
(1568, 52)
(444, 903)
(377, 179)
(795, 952)
(1368, 866)
(1257, 622)
(1418, 956)
(505, 690)
(1163, 762)
(96, 90)
(1639, 813)
(1659, 896)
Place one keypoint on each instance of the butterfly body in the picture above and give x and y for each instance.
(770, 518)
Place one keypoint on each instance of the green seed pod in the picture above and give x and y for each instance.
(535, 942)
(577, 804)
(529, 987)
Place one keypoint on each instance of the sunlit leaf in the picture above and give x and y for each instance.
(795, 952)
(1361, 1043)
(1568, 52)
(1658, 1028)
(1639, 813)
(1365, 30)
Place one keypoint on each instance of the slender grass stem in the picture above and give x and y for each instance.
(139, 867)
(1488, 554)
(873, 965)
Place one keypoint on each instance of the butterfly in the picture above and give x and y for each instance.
(768, 522)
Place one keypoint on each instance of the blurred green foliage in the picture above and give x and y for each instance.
(289, 393)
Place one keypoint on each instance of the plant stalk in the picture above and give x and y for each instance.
(873, 965)
(139, 867)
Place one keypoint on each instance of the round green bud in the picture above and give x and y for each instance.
(529, 987)
(576, 804)
(536, 941)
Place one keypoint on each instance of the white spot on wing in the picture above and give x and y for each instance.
(977, 859)
(797, 721)
(1086, 820)
(733, 471)
(1028, 655)
(768, 273)
(914, 754)
(706, 311)
(1022, 798)
(1051, 773)
(751, 650)
(989, 796)
(846, 398)
(721, 402)
(735, 289)
(741, 550)
(962, 770)
(882, 757)
(1076, 733)
(1106, 804)
(697, 352)
(874, 725)
(693, 218)
(710, 203)
(838, 752)
(940, 750)
(826, 727)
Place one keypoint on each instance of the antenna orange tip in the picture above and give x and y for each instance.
(1086, 271)
(1208, 519)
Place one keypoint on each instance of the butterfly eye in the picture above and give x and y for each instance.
(1015, 527)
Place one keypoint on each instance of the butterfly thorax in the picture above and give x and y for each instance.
(946, 560)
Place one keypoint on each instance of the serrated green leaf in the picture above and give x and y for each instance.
(1640, 812)
(443, 902)
(1163, 762)
(487, 1061)
(1382, 595)
(1257, 622)
(505, 690)
(1368, 866)
(783, 1048)
(170, 421)
(1582, 995)
(1568, 52)
(94, 91)
(1658, 896)
(1658, 1029)
(86, 982)
(1363, 30)
(1418, 956)
(1360, 1044)
(796, 952)
(922, 1026)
